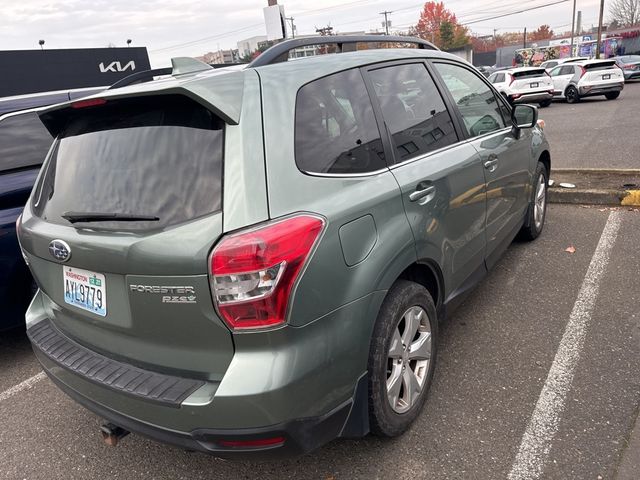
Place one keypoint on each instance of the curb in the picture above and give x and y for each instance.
(595, 196)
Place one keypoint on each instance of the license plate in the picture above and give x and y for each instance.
(606, 77)
(534, 85)
(85, 289)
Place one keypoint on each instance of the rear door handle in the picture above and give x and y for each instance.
(421, 193)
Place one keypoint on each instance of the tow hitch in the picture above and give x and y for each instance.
(112, 433)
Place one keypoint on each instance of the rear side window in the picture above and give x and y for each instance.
(479, 108)
(567, 70)
(499, 78)
(335, 129)
(413, 110)
(151, 156)
(24, 141)
(529, 74)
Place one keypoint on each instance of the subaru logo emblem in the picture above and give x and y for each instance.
(60, 250)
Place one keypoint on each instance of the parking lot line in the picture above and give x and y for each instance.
(28, 383)
(537, 439)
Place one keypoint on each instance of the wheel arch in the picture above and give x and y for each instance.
(545, 159)
(427, 273)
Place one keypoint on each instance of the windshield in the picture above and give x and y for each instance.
(156, 158)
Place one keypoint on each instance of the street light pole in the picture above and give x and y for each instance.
(600, 29)
(573, 27)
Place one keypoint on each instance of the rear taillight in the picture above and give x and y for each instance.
(583, 71)
(252, 272)
(513, 79)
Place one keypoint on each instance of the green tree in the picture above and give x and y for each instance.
(446, 35)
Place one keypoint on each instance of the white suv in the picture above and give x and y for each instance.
(574, 81)
(524, 85)
(549, 64)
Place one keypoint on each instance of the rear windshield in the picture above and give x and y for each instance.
(529, 74)
(153, 156)
(630, 58)
(600, 66)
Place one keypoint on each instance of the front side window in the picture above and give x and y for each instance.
(413, 110)
(24, 141)
(335, 129)
(479, 108)
(156, 156)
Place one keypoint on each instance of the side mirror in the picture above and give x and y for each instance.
(524, 116)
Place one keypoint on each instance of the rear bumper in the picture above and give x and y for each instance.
(537, 97)
(298, 436)
(307, 385)
(588, 91)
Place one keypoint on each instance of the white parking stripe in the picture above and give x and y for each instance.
(28, 383)
(537, 439)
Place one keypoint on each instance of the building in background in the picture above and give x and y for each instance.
(220, 56)
(247, 46)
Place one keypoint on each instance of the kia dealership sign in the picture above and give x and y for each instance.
(33, 71)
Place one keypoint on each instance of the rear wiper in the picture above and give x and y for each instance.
(74, 217)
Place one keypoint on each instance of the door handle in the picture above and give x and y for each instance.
(491, 164)
(423, 192)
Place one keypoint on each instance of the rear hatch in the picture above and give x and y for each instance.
(602, 73)
(531, 81)
(133, 190)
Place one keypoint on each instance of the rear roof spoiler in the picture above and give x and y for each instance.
(221, 92)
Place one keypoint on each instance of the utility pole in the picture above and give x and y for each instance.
(599, 42)
(495, 38)
(293, 27)
(525, 38)
(386, 22)
(573, 27)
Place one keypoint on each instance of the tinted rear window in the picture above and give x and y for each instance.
(529, 74)
(24, 141)
(593, 67)
(152, 156)
(335, 129)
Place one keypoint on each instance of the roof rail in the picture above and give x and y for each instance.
(141, 77)
(279, 52)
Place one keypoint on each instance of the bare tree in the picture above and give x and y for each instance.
(625, 12)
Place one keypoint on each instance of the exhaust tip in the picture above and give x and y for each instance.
(112, 434)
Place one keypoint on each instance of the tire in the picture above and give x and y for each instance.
(612, 95)
(572, 94)
(537, 211)
(408, 305)
(545, 104)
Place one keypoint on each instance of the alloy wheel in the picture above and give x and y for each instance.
(540, 202)
(408, 359)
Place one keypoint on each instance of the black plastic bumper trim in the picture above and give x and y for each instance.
(124, 378)
(301, 436)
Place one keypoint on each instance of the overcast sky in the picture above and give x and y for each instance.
(171, 28)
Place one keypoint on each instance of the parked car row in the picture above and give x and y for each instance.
(569, 80)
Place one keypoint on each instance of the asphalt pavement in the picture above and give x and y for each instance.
(596, 132)
(495, 355)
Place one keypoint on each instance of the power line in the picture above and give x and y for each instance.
(514, 13)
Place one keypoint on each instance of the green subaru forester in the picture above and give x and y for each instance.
(254, 260)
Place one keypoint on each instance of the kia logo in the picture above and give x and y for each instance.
(60, 250)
